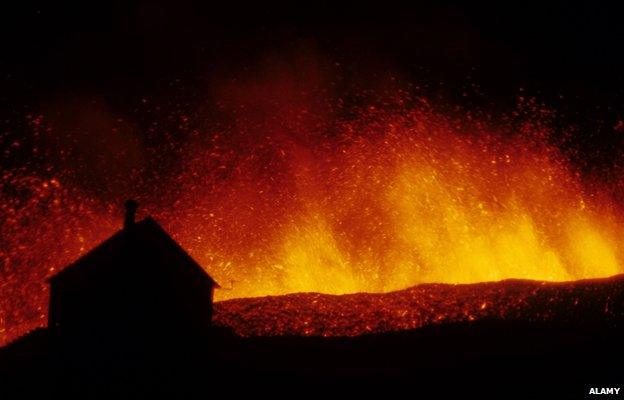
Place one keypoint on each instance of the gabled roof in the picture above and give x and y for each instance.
(149, 232)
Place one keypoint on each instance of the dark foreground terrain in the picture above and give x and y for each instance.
(559, 341)
(313, 314)
(491, 358)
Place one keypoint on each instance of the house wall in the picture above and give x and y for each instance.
(120, 299)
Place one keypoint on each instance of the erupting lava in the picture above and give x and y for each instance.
(299, 201)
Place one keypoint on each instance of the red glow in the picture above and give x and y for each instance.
(304, 196)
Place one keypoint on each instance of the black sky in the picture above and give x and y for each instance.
(125, 51)
(130, 46)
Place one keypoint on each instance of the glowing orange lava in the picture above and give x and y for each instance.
(401, 201)
(373, 203)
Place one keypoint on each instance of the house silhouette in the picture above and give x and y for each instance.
(136, 292)
(132, 319)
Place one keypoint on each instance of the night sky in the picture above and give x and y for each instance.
(58, 56)
(124, 51)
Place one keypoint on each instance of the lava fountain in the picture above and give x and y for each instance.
(375, 201)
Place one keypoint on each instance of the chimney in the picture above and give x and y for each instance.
(131, 208)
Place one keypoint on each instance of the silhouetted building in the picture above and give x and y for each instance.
(138, 291)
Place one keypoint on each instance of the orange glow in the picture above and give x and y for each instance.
(373, 203)
(409, 201)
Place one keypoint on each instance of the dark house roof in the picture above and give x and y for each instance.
(151, 235)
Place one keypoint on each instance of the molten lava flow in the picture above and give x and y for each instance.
(588, 302)
(296, 203)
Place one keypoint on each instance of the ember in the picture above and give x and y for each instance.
(314, 202)
(313, 314)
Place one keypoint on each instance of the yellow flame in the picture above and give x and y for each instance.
(416, 203)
